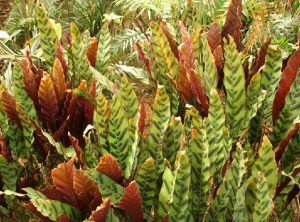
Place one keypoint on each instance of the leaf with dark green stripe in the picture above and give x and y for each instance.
(101, 120)
(288, 114)
(172, 139)
(267, 165)
(165, 194)
(47, 36)
(292, 151)
(145, 178)
(200, 166)
(54, 208)
(215, 124)
(158, 42)
(271, 75)
(9, 176)
(78, 58)
(118, 133)
(103, 53)
(222, 206)
(131, 107)
(234, 81)
(20, 94)
(180, 196)
(159, 123)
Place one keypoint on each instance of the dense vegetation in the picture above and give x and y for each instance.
(143, 110)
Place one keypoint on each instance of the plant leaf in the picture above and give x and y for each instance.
(109, 166)
(100, 214)
(131, 202)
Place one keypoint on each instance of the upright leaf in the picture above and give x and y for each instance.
(234, 81)
(48, 102)
(47, 36)
(103, 52)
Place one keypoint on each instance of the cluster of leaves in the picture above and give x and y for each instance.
(219, 143)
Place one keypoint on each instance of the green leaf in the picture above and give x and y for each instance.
(173, 139)
(118, 134)
(131, 107)
(146, 177)
(215, 125)
(159, 123)
(103, 80)
(78, 60)
(47, 36)
(267, 165)
(288, 114)
(137, 73)
(101, 120)
(180, 196)
(9, 174)
(234, 81)
(200, 172)
(21, 95)
(53, 209)
(270, 77)
(222, 206)
(292, 151)
(103, 52)
(166, 193)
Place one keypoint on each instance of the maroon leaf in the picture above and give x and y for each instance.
(183, 84)
(92, 51)
(109, 166)
(8, 104)
(142, 119)
(198, 91)
(60, 56)
(187, 53)
(261, 56)
(64, 218)
(233, 22)
(3, 149)
(173, 44)
(214, 37)
(99, 215)
(143, 57)
(31, 86)
(62, 177)
(131, 202)
(48, 102)
(288, 76)
(78, 152)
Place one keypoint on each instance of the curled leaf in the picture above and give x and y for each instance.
(100, 214)
(109, 166)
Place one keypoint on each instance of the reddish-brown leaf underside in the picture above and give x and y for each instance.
(288, 76)
(60, 56)
(78, 152)
(198, 91)
(62, 177)
(30, 84)
(59, 81)
(261, 56)
(187, 52)
(109, 166)
(99, 215)
(233, 22)
(214, 37)
(183, 84)
(48, 102)
(92, 51)
(84, 188)
(64, 218)
(142, 119)
(131, 202)
(143, 57)
(8, 104)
